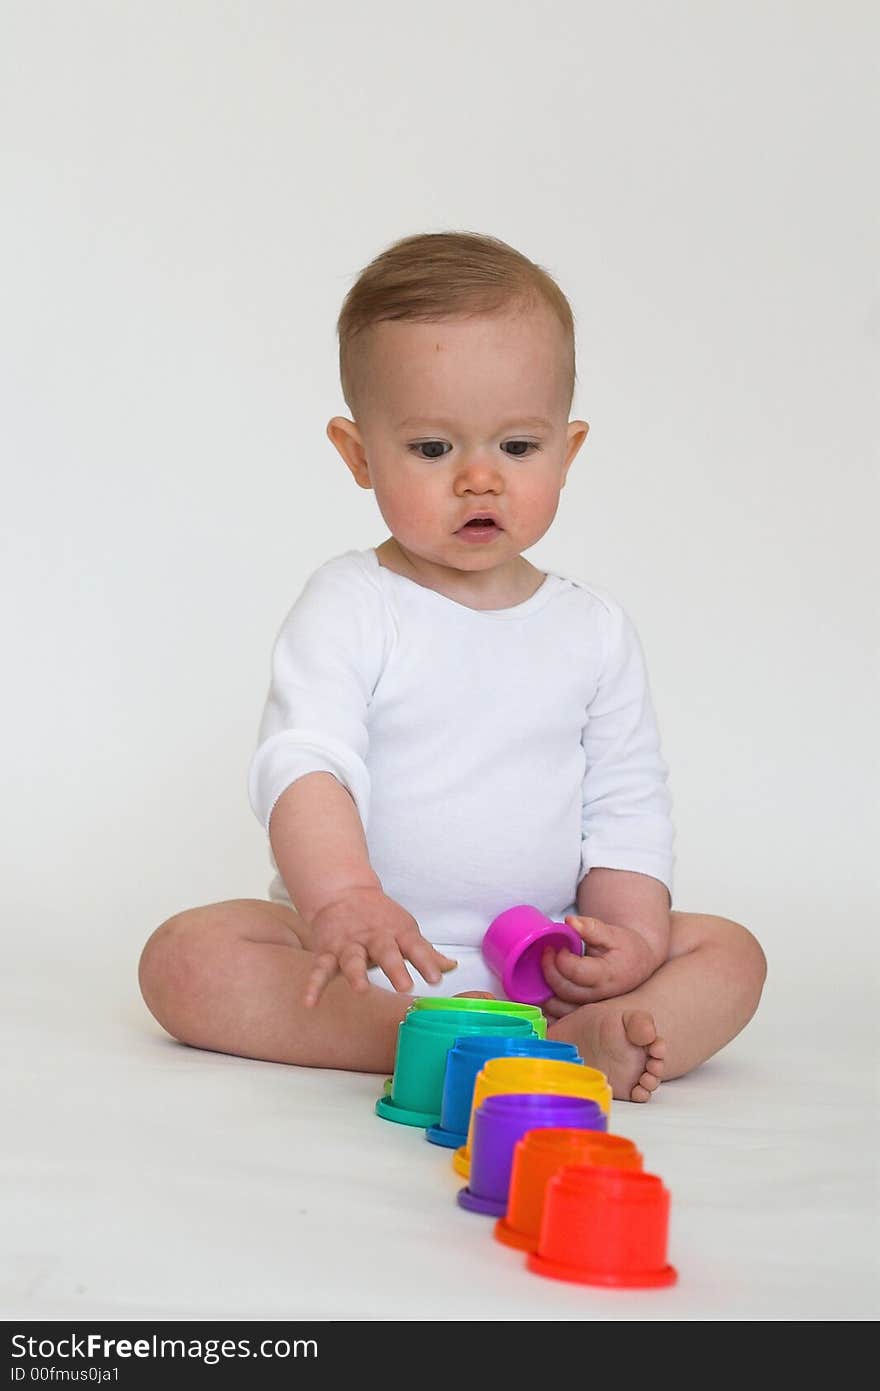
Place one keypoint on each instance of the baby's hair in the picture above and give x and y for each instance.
(433, 276)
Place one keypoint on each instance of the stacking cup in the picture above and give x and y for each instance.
(536, 1158)
(500, 1075)
(463, 1062)
(530, 1012)
(604, 1227)
(424, 1037)
(499, 1123)
(468, 1004)
(514, 944)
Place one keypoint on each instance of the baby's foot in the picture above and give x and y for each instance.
(625, 1046)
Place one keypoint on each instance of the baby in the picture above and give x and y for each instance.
(450, 731)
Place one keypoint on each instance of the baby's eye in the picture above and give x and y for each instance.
(522, 446)
(428, 444)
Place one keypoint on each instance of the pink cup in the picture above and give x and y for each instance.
(514, 944)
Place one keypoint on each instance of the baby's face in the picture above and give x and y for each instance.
(464, 416)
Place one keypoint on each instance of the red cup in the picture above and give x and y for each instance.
(604, 1227)
(537, 1157)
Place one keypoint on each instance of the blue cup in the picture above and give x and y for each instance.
(503, 1120)
(465, 1060)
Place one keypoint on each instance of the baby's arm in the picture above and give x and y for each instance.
(623, 900)
(633, 901)
(309, 783)
(320, 848)
(319, 844)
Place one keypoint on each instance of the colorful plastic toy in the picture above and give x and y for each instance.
(424, 1037)
(499, 1124)
(514, 944)
(465, 1059)
(468, 1004)
(530, 1012)
(532, 1075)
(537, 1157)
(533, 1120)
(604, 1227)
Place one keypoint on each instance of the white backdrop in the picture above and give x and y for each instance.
(188, 191)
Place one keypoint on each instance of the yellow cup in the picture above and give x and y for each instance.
(502, 1075)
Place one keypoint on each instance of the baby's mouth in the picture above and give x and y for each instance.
(484, 523)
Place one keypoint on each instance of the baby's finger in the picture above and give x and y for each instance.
(323, 971)
(561, 985)
(392, 963)
(429, 962)
(353, 965)
(585, 971)
(594, 931)
(411, 938)
(555, 1008)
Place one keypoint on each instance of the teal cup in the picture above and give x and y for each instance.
(506, 1007)
(424, 1037)
(465, 1060)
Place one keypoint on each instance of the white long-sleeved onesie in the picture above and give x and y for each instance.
(494, 756)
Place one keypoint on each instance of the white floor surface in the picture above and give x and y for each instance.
(145, 1180)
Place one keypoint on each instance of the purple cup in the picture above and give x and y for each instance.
(513, 946)
(504, 1119)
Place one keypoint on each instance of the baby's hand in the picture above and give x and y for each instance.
(365, 926)
(617, 960)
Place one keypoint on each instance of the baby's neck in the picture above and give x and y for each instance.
(508, 592)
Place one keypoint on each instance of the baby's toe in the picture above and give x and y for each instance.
(639, 1027)
(648, 1081)
(640, 1093)
(654, 1066)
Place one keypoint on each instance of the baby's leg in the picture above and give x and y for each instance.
(231, 977)
(697, 1001)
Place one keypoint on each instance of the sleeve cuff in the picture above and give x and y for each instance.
(287, 756)
(656, 865)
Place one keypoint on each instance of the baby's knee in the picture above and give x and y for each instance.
(171, 963)
(752, 951)
(745, 947)
(739, 947)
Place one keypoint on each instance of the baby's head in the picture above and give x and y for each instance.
(457, 362)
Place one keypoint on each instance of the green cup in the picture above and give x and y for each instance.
(424, 1037)
(530, 1012)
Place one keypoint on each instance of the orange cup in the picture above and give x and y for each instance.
(536, 1158)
